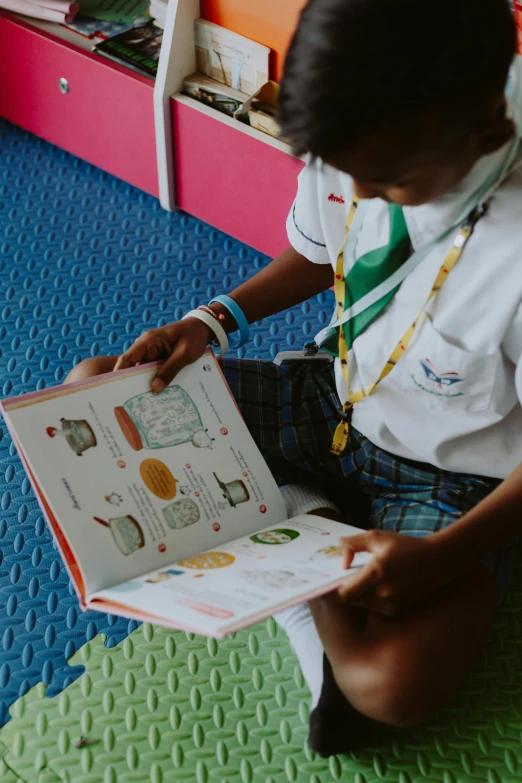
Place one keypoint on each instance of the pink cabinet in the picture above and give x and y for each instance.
(104, 113)
(233, 180)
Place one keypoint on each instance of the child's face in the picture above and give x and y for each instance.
(413, 169)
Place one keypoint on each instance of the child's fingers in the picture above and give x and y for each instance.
(359, 583)
(172, 366)
(137, 353)
(353, 544)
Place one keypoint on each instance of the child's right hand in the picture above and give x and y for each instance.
(179, 344)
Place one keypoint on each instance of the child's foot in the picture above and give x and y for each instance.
(336, 726)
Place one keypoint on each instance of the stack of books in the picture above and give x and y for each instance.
(59, 11)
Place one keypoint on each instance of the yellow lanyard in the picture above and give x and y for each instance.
(341, 433)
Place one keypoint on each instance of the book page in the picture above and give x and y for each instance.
(222, 590)
(137, 480)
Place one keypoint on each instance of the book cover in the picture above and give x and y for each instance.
(138, 49)
(99, 28)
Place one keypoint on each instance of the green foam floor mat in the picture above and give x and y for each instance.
(165, 706)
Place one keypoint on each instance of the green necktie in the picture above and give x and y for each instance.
(367, 273)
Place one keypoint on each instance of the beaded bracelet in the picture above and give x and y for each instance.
(218, 316)
(214, 325)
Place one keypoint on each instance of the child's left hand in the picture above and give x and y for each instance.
(403, 572)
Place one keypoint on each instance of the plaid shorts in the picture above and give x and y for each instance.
(291, 413)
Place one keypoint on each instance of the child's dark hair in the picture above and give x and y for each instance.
(356, 67)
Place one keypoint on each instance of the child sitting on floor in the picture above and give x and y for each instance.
(411, 192)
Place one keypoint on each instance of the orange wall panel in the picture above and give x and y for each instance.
(269, 22)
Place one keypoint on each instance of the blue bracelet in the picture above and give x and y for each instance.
(238, 315)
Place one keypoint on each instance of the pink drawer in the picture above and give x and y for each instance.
(107, 116)
(233, 181)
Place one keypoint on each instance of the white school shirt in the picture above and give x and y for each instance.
(454, 398)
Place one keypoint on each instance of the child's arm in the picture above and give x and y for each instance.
(492, 523)
(288, 280)
(406, 570)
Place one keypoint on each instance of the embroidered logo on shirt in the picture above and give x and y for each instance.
(437, 383)
(337, 199)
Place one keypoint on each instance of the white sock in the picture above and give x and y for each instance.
(299, 625)
(297, 621)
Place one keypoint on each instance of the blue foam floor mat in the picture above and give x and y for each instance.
(87, 263)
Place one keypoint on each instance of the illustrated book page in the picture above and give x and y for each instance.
(222, 590)
(136, 481)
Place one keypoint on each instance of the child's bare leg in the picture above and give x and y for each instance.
(402, 670)
(98, 365)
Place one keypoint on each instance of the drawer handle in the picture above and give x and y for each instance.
(63, 84)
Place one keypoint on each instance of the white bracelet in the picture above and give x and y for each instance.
(213, 325)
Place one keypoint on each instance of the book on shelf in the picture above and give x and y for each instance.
(230, 58)
(214, 94)
(162, 506)
(138, 49)
(101, 28)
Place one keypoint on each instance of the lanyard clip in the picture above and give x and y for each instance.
(476, 214)
(346, 415)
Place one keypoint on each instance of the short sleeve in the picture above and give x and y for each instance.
(512, 347)
(304, 223)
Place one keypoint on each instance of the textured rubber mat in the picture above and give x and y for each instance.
(86, 264)
(168, 706)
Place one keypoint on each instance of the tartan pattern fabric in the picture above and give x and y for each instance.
(292, 412)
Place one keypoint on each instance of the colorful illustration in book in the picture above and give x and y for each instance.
(208, 560)
(157, 421)
(77, 432)
(114, 499)
(181, 514)
(159, 479)
(279, 536)
(278, 579)
(126, 532)
(327, 553)
(163, 576)
(233, 491)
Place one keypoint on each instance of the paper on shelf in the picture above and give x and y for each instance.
(230, 58)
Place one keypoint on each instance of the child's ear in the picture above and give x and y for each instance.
(499, 130)
(493, 139)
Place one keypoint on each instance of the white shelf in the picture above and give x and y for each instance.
(264, 138)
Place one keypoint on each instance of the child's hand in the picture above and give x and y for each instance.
(403, 572)
(179, 344)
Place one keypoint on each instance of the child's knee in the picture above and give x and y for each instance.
(97, 365)
(382, 693)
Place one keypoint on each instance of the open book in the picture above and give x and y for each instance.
(162, 505)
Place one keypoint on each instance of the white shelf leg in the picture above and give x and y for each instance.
(177, 60)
